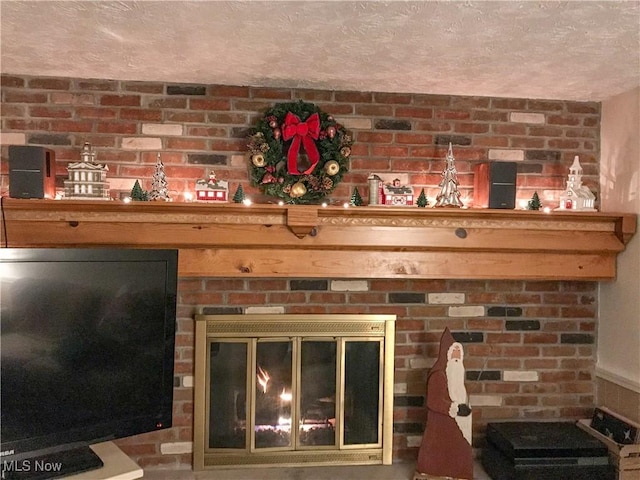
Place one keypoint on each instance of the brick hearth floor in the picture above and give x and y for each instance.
(398, 471)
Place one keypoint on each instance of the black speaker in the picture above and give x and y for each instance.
(495, 185)
(32, 172)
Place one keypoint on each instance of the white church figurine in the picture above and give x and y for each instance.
(87, 179)
(576, 197)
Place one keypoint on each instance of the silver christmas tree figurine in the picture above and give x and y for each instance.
(159, 190)
(449, 195)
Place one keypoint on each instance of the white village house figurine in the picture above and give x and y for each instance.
(394, 192)
(576, 196)
(87, 179)
(212, 190)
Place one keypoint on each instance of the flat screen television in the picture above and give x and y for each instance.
(87, 342)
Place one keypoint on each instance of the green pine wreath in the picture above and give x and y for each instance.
(292, 175)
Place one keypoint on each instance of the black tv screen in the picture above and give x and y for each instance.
(87, 342)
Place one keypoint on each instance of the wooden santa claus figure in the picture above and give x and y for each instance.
(446, 450)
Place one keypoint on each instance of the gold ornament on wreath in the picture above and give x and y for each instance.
(298, 153)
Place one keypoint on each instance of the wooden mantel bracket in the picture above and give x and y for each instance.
(626, 227)
(302, 220)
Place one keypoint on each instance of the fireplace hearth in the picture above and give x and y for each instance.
(293, 390)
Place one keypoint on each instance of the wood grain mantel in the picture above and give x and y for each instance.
(304, 241)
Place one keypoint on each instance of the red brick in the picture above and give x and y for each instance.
(578, 312)
(414, 138)
(374, 137)
(395, 98)
(389, 151)
(71, 126)
(110, 157)
(186, 144)
(484, 324)
(228, 91)
(532, 337)
(503, 388)
(491, 141)
(201, 298)
(581, 133)
(143, 87)
(509, 129)
(206, 131)
(49, 112)
(502, 337)
(120, 127)
(563, 120)
(336, 108)
(9, 110)
(96, 112)
(353, 97)
(167, 102)
(516, 351)
(452, 114)
(19, 124)
(20, 96)
(141, 114)
(471, 127)
(526, 142)
(248, 298)
(11, 81)
(563, 143)
(313, 95)
(593, 108)
(545, 131)
(327, 297)
(209, 104)
(489, 116)
(185, 117)
(167, 158)
(270, 93)
(374, 110)
(432, 100)
(509, 103)
(559, 351)
(591, 121)
(229, 145)
(120, 100)
(520, 400)
(227, 118)
(97, 85)
(434, 126)
(49, 83)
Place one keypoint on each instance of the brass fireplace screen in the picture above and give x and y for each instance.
(293, 390)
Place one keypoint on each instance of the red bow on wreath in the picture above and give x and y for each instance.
(305, 132)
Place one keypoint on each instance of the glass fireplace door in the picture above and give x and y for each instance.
(294, 390)
(318, 393)
(273, 393)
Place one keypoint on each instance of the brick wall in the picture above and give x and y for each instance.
(529, 346)
(200, 127)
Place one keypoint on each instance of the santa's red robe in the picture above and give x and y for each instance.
(444, 451)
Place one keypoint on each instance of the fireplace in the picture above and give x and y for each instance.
(293, 390)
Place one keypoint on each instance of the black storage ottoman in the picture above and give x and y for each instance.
(544, 451)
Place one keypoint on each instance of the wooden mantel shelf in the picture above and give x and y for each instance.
(306, 241)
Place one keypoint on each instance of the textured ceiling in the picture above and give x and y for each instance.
(582, 50)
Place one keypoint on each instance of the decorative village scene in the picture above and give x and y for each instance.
(299, 154)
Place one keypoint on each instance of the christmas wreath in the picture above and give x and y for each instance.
(298, 152)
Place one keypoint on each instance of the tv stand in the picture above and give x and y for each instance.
(117, 465)
(102, 461)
